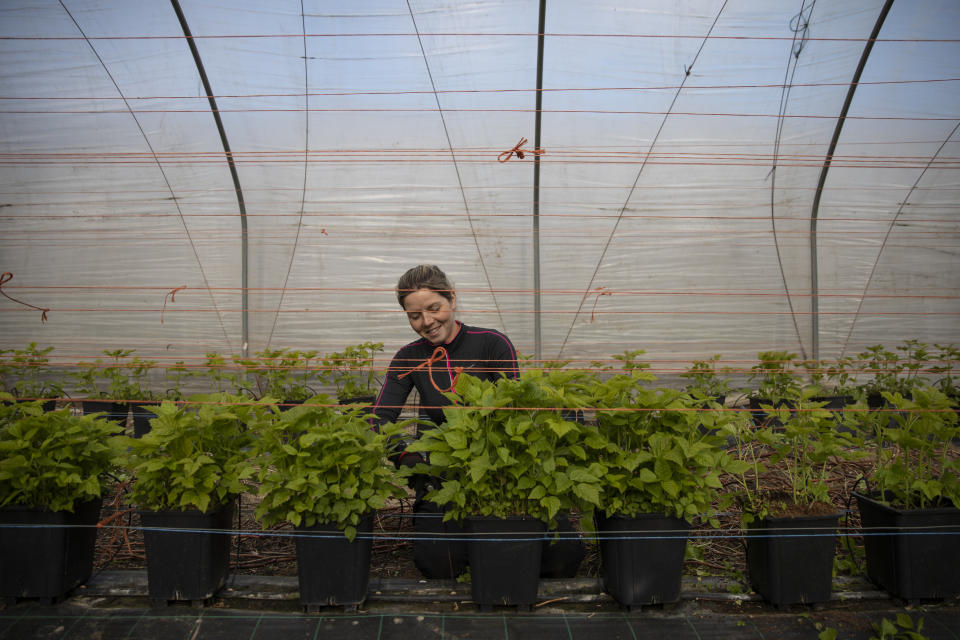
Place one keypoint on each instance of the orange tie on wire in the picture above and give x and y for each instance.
(438, 354)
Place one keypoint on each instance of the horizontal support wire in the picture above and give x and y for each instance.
(311, 94)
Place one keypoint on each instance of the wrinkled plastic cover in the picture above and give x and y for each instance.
(677, 183)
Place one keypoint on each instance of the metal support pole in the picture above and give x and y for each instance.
(537, 326)
(814, 259)
(244, 301)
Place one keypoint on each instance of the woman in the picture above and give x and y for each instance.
(431, 364)
(445, 347)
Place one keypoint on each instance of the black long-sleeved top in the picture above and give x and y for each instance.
(484, 353)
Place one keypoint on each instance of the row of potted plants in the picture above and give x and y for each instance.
(781, 374)
(295, 375)
(285, 374)
(315, 465)
(512, 454)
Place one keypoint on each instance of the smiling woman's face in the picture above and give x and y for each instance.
(431, 315)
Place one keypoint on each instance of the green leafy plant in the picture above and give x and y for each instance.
(318, 465)
(775, 376)
(127, 375)
(87, 379)
(801, 449)
(826, 633)
(628, 363)
(664, 452)
(887, 371)
(915, 468)
(282, 374)
(705, 380)
(54, 460)
(30, 376)
(902, 628)
(193, 456)
(352, 372)
(850, 558)
(948, 357)
(175, 376)
(6, 369)
(507, 450)
(224, 375)
(835, 377)
(121, 378)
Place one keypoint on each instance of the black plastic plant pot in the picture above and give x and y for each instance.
(142, 413)
(505, 560)
(790, 560)
(51, 554)
(834, 403)
(912, 554)
(642, 557)
(876, 402)
(47, 406)
(286, 405)
(332, 570)
(116, 411)
(439, 548)
(188, 552)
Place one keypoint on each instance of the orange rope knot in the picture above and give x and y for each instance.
(170, 294)
(7, 277)
(506, 155)
(438, 354)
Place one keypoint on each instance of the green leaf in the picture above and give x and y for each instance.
(456, 439)
(646, 475)
(904, 621)
(589, 493)
(671, 487)
(561, 427)
(478, 467)
(552, 504)
(350, 532)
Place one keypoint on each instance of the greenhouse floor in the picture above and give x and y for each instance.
(114, 604)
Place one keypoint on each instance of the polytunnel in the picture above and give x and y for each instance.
(687, 178)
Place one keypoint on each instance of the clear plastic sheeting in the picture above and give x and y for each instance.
(683, 144)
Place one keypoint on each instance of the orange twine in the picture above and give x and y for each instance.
(600, 292)
(438, 354)
(170, 294)
(506, 155)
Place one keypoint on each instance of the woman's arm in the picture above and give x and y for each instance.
(393, 393)
(499, 354)
(507, 357)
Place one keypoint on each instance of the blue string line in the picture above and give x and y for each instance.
(768, 534)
